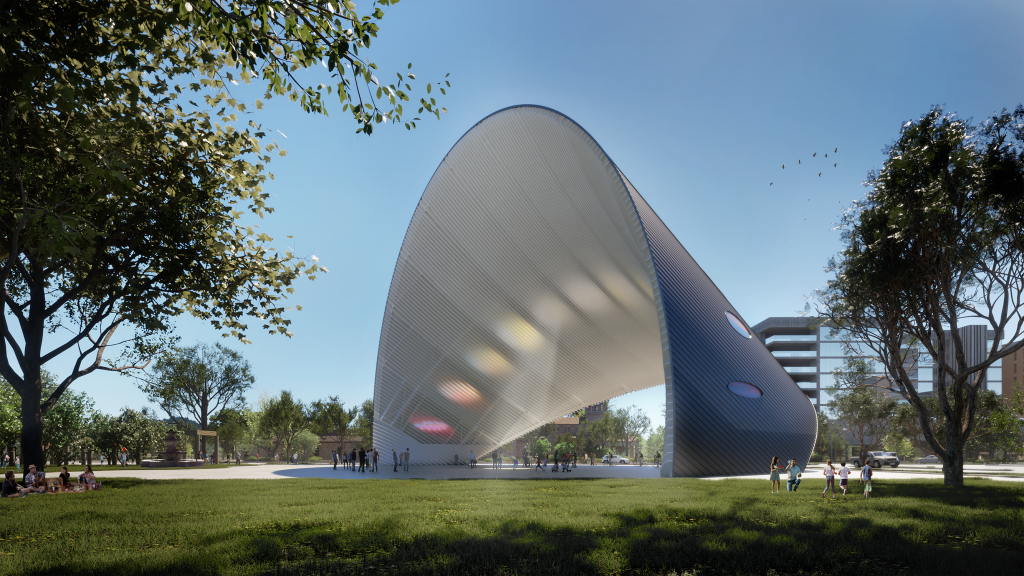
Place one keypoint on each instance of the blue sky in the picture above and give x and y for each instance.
(699, 103)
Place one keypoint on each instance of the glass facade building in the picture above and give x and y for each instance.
(810, 355)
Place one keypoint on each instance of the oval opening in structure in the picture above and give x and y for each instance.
(739, 325)
(745, 390)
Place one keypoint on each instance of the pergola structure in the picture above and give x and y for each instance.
(535, 280)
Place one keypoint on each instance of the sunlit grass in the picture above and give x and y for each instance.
(542, 526)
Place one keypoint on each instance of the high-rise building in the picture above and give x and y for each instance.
(810, 353)
(1013, 375)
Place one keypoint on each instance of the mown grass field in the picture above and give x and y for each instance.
(542, 526)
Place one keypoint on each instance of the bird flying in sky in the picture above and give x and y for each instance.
(814, 155)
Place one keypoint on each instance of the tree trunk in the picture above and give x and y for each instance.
(953, 468)
(32, 426)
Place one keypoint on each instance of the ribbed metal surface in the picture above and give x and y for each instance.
(526, 289)
(520, 293)
(709, 429)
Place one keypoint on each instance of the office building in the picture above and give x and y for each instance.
(810, 353)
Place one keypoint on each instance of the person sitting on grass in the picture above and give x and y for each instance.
(12, 489)
(65, 478)
(84, 477)
(35, 481)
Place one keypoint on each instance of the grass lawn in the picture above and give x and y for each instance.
(542, 526)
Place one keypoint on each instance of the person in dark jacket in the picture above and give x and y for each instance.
(12, 489)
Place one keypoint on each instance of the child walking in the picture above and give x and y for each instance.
(830, 478)
(844, 476)
(865, 477)
(774, 476)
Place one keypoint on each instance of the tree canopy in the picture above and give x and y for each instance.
(936, 244)
(131, 181)
(198, 382)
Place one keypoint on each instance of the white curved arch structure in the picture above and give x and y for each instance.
(526, 289)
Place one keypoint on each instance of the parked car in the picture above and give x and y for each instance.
(878, 459)
(614, 459)
(929, 459)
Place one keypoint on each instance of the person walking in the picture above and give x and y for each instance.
(7, 460)
(362, 460)
(538, 465)
(405, 460)
(472, 459)
(865, 476)
(101, 461)
(830, 478)
(17, 462)
(295, 458)
(573, 459)
(376, 456)
(352, 459)
(334, 457)
(124, 457)
(844, 476)
(395, 456)
(794, 476)
(774, 476)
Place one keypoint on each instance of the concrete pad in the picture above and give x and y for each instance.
(278, 471)
(1007, 472)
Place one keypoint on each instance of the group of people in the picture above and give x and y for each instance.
(497, 460)
(568, 463)
(7, 461)
(795, 473)
(366, 460)
(35, 481)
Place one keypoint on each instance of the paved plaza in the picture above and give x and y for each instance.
(1007, 472)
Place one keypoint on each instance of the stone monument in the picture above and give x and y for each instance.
(172, 457)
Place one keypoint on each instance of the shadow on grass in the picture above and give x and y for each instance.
(751, 535)
(975, 492)
(663, 540)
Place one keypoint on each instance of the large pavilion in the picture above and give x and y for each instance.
(535, 280)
